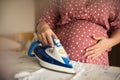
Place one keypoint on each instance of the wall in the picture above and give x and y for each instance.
(16, 16)
(40, 5)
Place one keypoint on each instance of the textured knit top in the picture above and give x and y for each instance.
(76, 21)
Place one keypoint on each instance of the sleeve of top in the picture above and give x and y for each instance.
(115, 18)
(51, 14)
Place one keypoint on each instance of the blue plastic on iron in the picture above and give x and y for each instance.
(32, 47)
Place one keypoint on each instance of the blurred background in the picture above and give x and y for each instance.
(20, 16)
(17, 16)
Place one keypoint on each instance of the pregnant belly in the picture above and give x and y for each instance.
(77, 36)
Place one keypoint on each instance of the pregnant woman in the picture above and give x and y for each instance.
(82, 26)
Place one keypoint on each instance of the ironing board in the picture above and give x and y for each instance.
(14, 63)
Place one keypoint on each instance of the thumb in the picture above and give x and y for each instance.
(97, 38)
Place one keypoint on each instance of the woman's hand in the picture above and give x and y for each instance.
(99, 48)
(45, 34)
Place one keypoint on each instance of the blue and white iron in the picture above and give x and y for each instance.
(52, 58)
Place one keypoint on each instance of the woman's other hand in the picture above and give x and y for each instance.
(99, 48)
(45, 33)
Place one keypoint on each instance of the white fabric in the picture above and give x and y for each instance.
(84, 72)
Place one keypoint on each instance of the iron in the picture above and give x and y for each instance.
(52, 58)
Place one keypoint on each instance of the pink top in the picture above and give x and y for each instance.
(77, 20)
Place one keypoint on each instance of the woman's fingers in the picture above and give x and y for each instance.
(97, 38)
(49, 38)
(97, 49)
(46, 37)
(91, 51)
(90, 48)
(94, 52)
(94, 55)
(39, 37)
